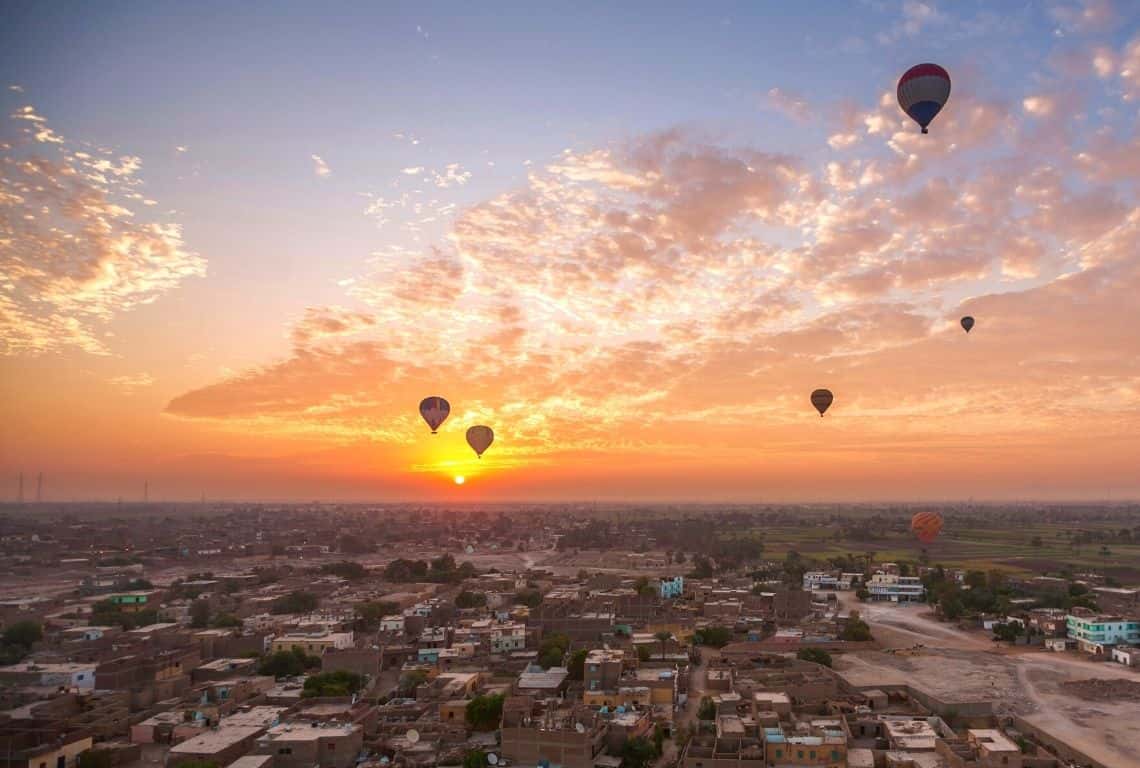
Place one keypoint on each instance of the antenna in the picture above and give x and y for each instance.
(39, 487)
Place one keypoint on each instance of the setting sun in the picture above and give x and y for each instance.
(460, 479)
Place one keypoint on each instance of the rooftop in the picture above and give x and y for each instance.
(215, 740)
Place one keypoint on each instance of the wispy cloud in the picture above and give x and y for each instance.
(320, 168)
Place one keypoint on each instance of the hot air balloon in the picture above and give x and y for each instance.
(923, 91)
(821, 399)
(435, 411)
(480, 439)
(925, 526)
(967, 323)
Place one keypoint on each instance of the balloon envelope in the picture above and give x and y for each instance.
(926, 526)
(821, 399)
(435, 411)
(480, 439)
(923, 91)
(967, 323)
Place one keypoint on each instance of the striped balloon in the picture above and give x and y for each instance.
(925, 526)
(923, 92)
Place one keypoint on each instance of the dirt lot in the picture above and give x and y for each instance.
(1043, 687)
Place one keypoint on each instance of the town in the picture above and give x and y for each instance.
(572, 636)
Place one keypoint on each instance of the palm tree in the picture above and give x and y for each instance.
(663, 637)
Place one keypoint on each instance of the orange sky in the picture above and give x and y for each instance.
(637, 317)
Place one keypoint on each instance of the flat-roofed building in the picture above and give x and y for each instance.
(308, 745)
(896, 589)
(993, 748)
(220, 746)
(313, 644)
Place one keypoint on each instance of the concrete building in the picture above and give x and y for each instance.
(895, 588)
(809, 747)
(670, 588)
(309, 745)
(1094, 633)
(543, 733)
(508, 637)
(814, 580)
(80, 676)
(603, 670)
(313, 644)
(993, 748)
(1128, 655)
(220, 746)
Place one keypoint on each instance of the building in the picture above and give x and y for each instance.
(535, 733)
(1096, 634)
(313, 644)
(816, 747)
(603, 670)
(543, 683)
(993, 748)
(312, 745)
(815, 580)
(220, 746)
(896, 589)
(41, 747)
(506, 638)
(669, 588)
(71, 676)
(1128, 655)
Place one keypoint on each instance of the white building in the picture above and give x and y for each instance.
(393, 623)
(1095, 633)
(1128, 655)
(896, 589)
(508, 637)
(814, 580)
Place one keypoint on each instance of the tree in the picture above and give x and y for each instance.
(96, 758)
(715, 637)
(577, 664)
(583, 574)
(643, 653)
(485, 712)
(531, 598)
(816, 655)
(706, 710)
(411, 680)
(1007, 632)
(346, 569)
(200, 614)
(468, 599)
(663, 637)
(191, 763)
(552, 650)
(369, 613)
(679, 559)
(225, 621)
(638, 752)
(702, 568)
(338, 683)
(1036, 542)
(23, 634)
(855, 629)
(863, 594)
(287, 663)
(297, 601)
(475, 758)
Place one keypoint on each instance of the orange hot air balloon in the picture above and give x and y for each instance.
(926, 526)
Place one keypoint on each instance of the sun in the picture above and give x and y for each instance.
(460, 479)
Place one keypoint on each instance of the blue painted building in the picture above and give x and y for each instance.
(671, 588)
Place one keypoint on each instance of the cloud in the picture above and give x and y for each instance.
(131, 383)
(792, 105)
(76, 249)
(320, 168)
(322, 322)
(916, 17)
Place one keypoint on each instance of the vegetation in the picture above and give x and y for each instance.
(714, 636)
(639, 752)
(200, 614)
(552, 650)
(297, 601)
(339, 683)
(468, 599)
(1008, 632)
(441, 570)
(194, 764)
(531, 598)
(106, 613)
(855, 629)
(485, 712)
(577, 664)
(369, 614)
(663, 637)
(475, 758)
(96, 758)
(817, 655)
(346, 569)
(225, 621)
(411, 680)
(18, 640)
(643, 653)
(287, 663)
(706, 710)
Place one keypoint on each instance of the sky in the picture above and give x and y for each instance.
(239, 243)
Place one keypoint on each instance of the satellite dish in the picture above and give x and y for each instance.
(469, 549)
(579, 728)
(413, 736)
(493, 759)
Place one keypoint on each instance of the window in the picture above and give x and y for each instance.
(331, 746)
(285, 750)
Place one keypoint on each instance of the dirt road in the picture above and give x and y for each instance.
(968, 666)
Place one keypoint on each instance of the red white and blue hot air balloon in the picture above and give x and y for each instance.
(923, 92)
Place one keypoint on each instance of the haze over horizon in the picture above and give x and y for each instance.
(239, 244)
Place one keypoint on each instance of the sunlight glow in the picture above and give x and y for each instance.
(460, 479)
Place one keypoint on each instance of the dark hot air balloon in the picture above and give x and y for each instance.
(435, 411)
(923, 91)
(480, 439)
(925, 526)
(967, 323)
(821, 399)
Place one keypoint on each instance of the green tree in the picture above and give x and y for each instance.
(346, 569)
(485, 712)
(663, 637)
(225, 621)
(411, 680)
(817, 655)
(200, 614)
(468, 599)
(338, 683)
(475, 758)
(96, 758)
(714, 636)
(577, 664)
(552, 650)
(638, 752)
(643, 653)
(287, 663)
(298, 601)
(706, 710)
(855, 629)
(23, 634)
(531, 598)
(370, 612)
(863, 594)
